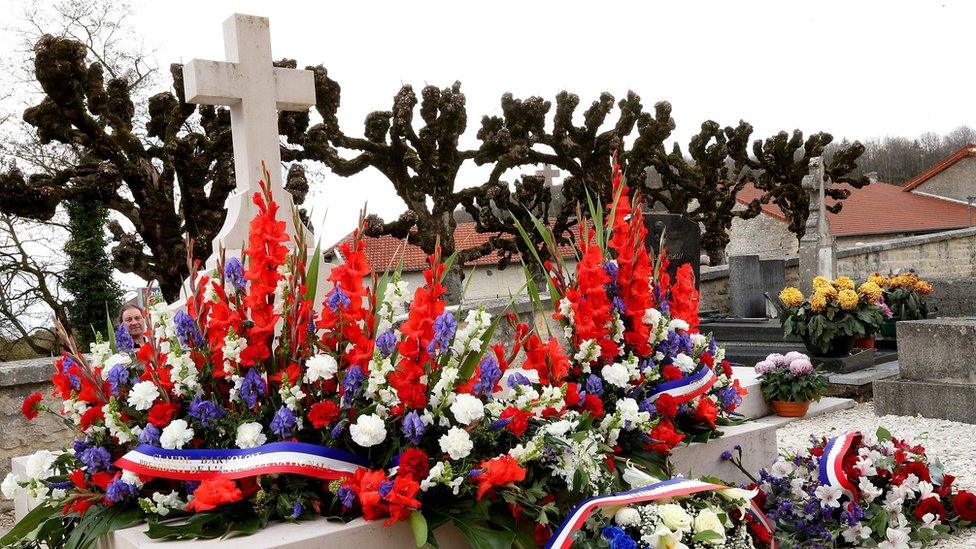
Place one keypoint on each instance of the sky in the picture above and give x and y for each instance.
(854, 69)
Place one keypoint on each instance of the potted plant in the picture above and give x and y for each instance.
(904, 298)
(834, 316)
(789, 382)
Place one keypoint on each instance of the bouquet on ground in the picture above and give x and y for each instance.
(904, 294)
(862, 490)
(835, 315)
(649, 377)
(790, 379)
(673, 514)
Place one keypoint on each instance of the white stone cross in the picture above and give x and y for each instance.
(255, 91)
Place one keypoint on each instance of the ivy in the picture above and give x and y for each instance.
(89, 274)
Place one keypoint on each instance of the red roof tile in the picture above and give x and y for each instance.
(881, 208)
(386, 251)
(967, 151)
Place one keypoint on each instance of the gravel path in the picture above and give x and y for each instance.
(953, 443)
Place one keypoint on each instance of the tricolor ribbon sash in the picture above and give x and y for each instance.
(298, 458)
(562, 538)
(832, 464)
(688, 387)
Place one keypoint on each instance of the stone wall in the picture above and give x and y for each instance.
(955, 182)
(765, 236)
(17, 435)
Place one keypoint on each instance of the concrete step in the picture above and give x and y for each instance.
(746, 330)
(753, 405)
(757, 439)
(950, 399)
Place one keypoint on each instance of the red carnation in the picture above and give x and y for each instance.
(666, 437)
(518, 420)
(498, 472)
(707, 359)
(671, 372)
(727, 368)
(213, 493)
(161, 413)
(30, 407)
(322, 414)
(930, 505)
(90, 416)
(593, 405)
(666, 405)
(414, 463)
(573, 397)
(964, 504)
(916, 468)
(706, 411)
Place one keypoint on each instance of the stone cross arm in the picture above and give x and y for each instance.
(222, 82)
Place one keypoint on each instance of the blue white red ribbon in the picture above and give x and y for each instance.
(562, 538)
(832, 464)
(298, 458)
(688, 387)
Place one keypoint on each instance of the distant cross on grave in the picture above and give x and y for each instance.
(818, 251)
(548, 174)
(255, 91)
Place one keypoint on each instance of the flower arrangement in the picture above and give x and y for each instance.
(649, 376)
(678, 513)
(904, 294)
(790, 378)
(862, 490)
(834, 315)
(254, 404)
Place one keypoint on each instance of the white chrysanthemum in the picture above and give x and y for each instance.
(249, 435)
(142, 395)
(616, 374)
(456, 443)
(627, 516)
(321, 366)
(369, 430)
(467, 408)
(685, 363)
(176, 434)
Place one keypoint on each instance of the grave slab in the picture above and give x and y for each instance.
(856, 361)
(746, 287)
(939, 348)
(939, 399)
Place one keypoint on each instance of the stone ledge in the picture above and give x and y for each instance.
(25, 372)
(906, 242)
(933, 399)
(938, 348)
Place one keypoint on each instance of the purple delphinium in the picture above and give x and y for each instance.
(413, 427)
(79, 445)
(619, 305)
(96, 459)
(500, 423)
(386, 343)
(726, 455)
(337, 299)
(489, 374)
(594, 385)
(252, 388)
(730, 397)
(516, 379)
(352, 381)
(444, 328)
(346, 496)
(283, 422)
(296, 510)
(117, 377)
(386, 486)
(118, 490)
(123, 340)
(205, 411)
(187, 330)
(338, 429)
(72, 378)
(611, 268)
(647, 405)
(234, 273)
(150, 435)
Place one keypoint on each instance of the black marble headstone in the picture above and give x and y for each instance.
(681, 240)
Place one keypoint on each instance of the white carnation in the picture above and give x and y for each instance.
(176, 434)
(249, 435)
(456, 443)
(142, 395)
(118, 358)
(467, 408)
(39, 465)
(369, 430)
(10, 486)
(616, 374)
(678, 324)
(685, 363)
(321, 366)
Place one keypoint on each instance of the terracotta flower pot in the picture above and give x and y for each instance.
(790, 409)
(864, 343)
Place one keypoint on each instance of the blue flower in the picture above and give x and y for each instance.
(150, 435)
(283, 422)
(647, 405)
(611, 268)
(79, 445)
(252, 388)
(205, 411)
(516, 379)
(338, 429)
(444, 327)
(386, 343)
(336, 299)
(489, 374)
(385, 487)
(730, 397)
(346, 496)
(619, 305)
(117, 377)
(118, 490)
(96, 459)
(123, 340)
(413, 427)
(594, 385)
(726, 455)
(296, 510)
(186, 329)
(234, 273)
(352, 381)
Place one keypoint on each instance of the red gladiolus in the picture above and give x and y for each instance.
(90, 416)
(322, 414)
(964, 504)
(30, 405)
(498, 472)
(684, 298)
(402, 499)
(350, 326)
(213, 493)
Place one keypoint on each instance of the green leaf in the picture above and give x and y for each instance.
(483, 537)
(467, 368)
(31, 522)
(707, 535)
(110, 336)
(419, 526)
(883, 434)
(312, 273)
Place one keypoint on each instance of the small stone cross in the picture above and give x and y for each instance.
(548, 174)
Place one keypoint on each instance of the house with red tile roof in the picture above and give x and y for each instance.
(934, 201)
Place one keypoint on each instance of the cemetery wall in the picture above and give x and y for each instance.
(17, 435)
(765, 236)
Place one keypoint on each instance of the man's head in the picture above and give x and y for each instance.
(134, 322)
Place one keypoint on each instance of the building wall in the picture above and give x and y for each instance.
(763, 235)
(957, 181)
(489, 282)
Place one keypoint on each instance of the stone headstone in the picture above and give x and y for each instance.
(773, 273)
(681, 238)
(817, 250)
(746, 287)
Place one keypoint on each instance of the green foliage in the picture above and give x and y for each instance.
(821, 329)
(780, 384)
(906, 304)
(89, 274)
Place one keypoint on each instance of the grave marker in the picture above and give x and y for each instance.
(681, 238)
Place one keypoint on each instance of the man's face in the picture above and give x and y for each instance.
(132, 318)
